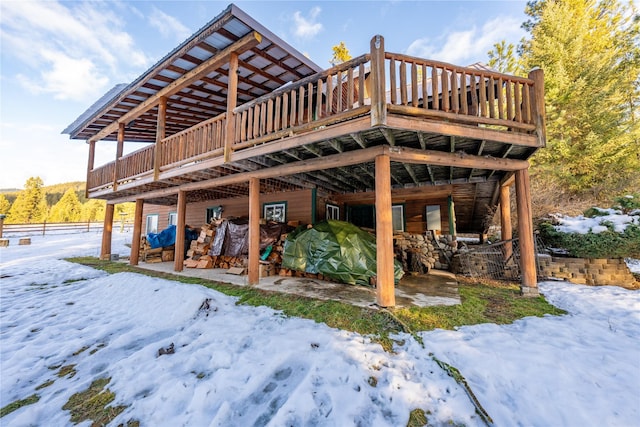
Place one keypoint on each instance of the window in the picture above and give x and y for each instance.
(173, 218)
(433, 218)
(275, 211)
(152, 224)
(365, 216)
(362, 215)
(397, 217)
(332, 212)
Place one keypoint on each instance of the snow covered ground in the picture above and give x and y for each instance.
(242, 366)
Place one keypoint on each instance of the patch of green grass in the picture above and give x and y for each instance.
(98, 347)
(481, 303)
(80, 350)
(93, 404)
(72, 281)
(45, 384)
(68, 371)
(14, 406)
(417, 418)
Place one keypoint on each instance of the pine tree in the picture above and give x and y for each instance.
(503, 58)
(590, 53)
(340, 54)
(68, 208)
(93, 210)
(4, 205)
(30, 206)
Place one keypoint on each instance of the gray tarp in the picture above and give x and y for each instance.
(336, 249)
(232, 237)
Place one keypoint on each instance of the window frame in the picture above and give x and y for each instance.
(402, 218)
(330, 207)
(146, 223)
(172, 215)
(266, 206)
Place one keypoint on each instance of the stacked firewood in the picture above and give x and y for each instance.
(148, 254)
(197, 254)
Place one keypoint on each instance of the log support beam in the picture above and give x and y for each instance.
(538, 108)
(385, 286)
(90, 165)
(529, 286)
(232, 100)
(178, 255)
(105, 249)
(160, 133)
(137, 232)
(253, 275)
(378, 91)
(119, 151)
(505, 221)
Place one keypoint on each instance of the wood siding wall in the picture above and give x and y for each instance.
(414, 209)
(299, 208)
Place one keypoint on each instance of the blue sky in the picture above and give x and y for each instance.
(57, 58)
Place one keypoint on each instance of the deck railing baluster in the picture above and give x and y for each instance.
(403, 83)
(434, 88)
(518, 106)
(445, 89)
(455, 100)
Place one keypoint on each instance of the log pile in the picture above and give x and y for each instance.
(197, 254)
(419, 253)
(151, 255)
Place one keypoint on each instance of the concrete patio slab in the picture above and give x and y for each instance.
(422, 290)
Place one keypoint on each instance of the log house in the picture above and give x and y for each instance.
(235, 118)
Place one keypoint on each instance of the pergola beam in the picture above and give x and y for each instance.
(247, 42)
(396, 154)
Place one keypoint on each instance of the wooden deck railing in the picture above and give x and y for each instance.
(327, 97)
(136, 163)
(201, 141)
(413, 87)
(461, 93)
(101, 177)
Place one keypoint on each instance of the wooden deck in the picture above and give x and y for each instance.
(326, 130)
(236, 111)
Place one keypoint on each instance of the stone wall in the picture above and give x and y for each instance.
(420, 254)
(588, 271)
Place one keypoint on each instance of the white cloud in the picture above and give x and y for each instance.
(168, 26)
(307, 27)
(471, 45)
(66, 77)
(70, 48)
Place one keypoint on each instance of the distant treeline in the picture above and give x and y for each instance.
(55, 203)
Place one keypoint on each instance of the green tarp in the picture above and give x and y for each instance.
(336, 249)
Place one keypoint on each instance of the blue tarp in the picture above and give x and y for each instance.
(166, 237)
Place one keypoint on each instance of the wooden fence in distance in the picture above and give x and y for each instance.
(59, 228)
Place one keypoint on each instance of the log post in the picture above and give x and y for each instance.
(232, 100)
(178, 255)
(537, 105)
(119, 150)
(90, 164)
(137, 231)
(2, 217)
(105, 249)
(385, 287)
(529, 286)
(452, 215)
(160, 132)
(505, 220)
(378, 86)
(254, 232)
